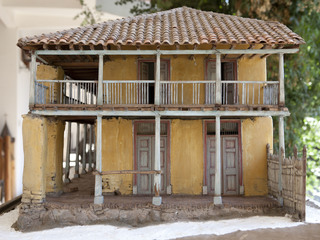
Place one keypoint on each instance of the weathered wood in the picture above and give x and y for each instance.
(33, 71)
(281, 80)
(218, 79)
(67, 168)
(100, 81)
(218, 179)
(126, 172)
(157, 82)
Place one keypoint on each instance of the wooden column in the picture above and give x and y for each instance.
(100, 81)
(85, 127)
(67, 168)
(217, 200)
(281, 80)
(76, 173)
(157, 83)
(98, 198)
(33, 75)
(90, 149)
(156, 200)
(218, 79)
(281, 157)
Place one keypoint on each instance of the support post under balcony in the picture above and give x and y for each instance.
(281, 156)
(98, 198)
(157, 83)
(218, 79)
(217, 200)
(100, 79)
(156, 200)
(33, 74)
(281, 80)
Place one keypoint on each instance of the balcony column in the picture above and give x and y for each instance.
(218, 79)
(90, 149)
(100, 81)
(157, 83)
(281, 81)
(217, 200)
(67, 168)
(98, 198)
(76, 173)
(33, 74)
(156, 200)
(84, 164)
(281, 156)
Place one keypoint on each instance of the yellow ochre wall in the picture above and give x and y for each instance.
(47, 72)
(256, 134)
(117, 154)
(186, 153)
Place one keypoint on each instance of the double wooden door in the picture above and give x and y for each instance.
(229, 164)
(145, 162)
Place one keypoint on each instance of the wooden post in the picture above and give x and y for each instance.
(157, 83)
(281, 80)
(76, 173)
(67, 168)
(7, 173)
(85, 127)
(218, 79)
(304, 173)
(217, 200)
(156, 200)
(98, 198)
(90, 149)
(100, 81)
(281, 157)
(33, 76)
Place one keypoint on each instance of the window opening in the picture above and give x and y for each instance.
(226, 128)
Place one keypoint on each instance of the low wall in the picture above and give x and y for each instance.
(290, 186)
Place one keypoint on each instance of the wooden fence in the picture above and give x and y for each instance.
(7, 169)
(287, 181)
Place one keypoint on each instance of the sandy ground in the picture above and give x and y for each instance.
(260, 227)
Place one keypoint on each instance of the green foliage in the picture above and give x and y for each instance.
(89, 16)
(141, 7)
(311, 139)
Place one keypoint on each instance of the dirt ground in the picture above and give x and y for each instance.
(307, 231)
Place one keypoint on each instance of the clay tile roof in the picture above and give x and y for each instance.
(173, 27)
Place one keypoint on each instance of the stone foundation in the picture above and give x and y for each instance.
(49, 215)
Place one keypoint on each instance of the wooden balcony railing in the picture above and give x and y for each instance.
(143, 92)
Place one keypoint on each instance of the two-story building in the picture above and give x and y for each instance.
(180, 101)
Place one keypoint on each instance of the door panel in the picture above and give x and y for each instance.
(144, 152)
(145, 161)
(229, 157)
(211, 156)
(230, 165)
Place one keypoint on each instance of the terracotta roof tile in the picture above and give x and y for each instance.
(177, 26)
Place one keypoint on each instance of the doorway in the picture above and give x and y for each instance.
(145, 153)
(230, 157)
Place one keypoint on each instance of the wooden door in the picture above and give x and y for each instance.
(229, 158)
(145, 162)
(228, 90)
(211, 158)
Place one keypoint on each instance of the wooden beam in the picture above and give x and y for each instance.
(67, 169)
(77, 64)
(84, 146)
(126, 172)
(156, 200)
(157, 83)
(281, 157)
(167, 52)
(33, 76)
(100, 80)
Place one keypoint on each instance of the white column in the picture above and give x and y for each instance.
(281, 80)
(157, 83)
(217, 200)
(90, 148)
(156, 200)
(33, 75)
(281, 146)
(84, 160)
(98, 198)
(76, 172)
(218, 78)
(100, 80)
(67, 168)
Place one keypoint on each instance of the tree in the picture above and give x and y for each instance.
(88, 14)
